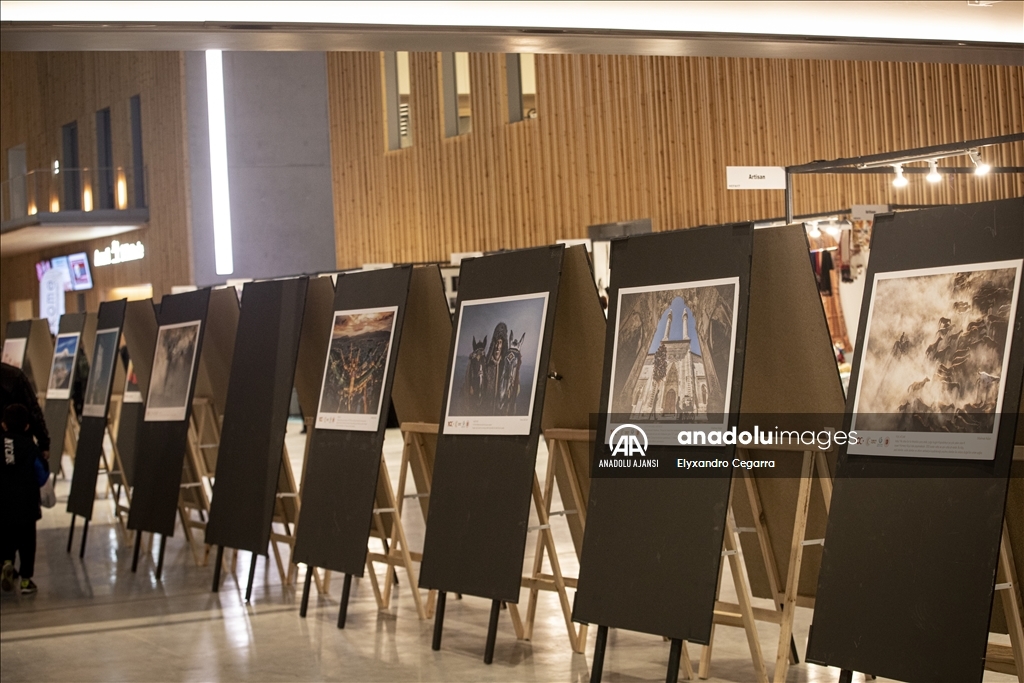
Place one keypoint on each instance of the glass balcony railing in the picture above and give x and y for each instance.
(72, 189)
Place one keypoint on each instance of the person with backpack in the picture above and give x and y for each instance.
(24, 471)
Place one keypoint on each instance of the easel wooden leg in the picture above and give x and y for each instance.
(492, 631)
(845, 676)
(739, 578)
(438, 621)
(803, 505)
(824, 479)
(71, 534)
(704, 665)
(537, 580)
(397, 552)
(1011, 604)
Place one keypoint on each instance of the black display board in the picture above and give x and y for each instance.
(38, 349)
(482, 485)
(342, 466)
(652, 546)
(906, 582)
(93, 428)
(256, 414)
(55, 410)
(140, 329)
(162, 445)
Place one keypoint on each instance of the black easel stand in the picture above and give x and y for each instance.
(85, 534)
(305, 592)
(135, 551)
(845, 676)
(216, 568)
(597, 667)
(252, 577)
(674, 653)
(438, 621)
(492, 631)
(160, 557)
(71, 535)
(343, 610)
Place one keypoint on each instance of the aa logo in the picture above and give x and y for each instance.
(625, 440)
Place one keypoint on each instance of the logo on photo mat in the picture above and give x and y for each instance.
(626, 439)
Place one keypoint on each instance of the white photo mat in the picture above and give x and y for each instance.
(168, 400)
(97, 389)
(507, 425)
(14, 351)
(666, 434)
(352, 421)
(933, 444)
(62, 367)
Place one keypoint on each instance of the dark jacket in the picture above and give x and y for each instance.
(18, 483)
(16, 388)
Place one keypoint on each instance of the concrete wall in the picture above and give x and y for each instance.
(279, 164)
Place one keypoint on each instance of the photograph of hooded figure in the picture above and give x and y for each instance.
(494, 374)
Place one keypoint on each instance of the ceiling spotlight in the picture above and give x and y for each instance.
(833, 229)
(814, 232)
(933, 174)
(900, 180)
(980, 167)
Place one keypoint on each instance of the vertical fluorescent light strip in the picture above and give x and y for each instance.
(225, 264)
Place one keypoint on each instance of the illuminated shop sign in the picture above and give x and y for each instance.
(118, 253)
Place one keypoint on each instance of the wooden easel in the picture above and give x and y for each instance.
(1002, 658)
(558, 457)
(398, 552)
(70, 435)
(117, 484)
(744, 614)
(194, 494)
(323, 585)
(998, 657)
(287, 505)
(286, 513)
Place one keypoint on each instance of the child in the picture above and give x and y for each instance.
(20, 490)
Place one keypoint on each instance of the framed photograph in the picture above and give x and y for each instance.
(101, 373)
(497, 359)
(672, 358)
(62, 369)
(174, 359)
(132, 390)
(14, 351)
(352, 392)
(936, 349)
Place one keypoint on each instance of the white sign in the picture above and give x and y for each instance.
(118, 253)
(866, 212)
(51, 296)
(755, 178)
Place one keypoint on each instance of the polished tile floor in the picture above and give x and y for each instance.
(94, 620)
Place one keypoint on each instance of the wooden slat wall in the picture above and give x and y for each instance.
(40, 92)
(625, 137)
